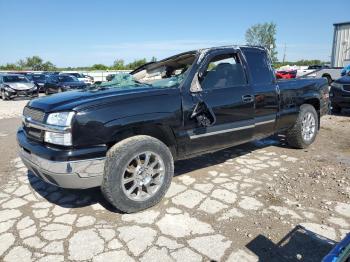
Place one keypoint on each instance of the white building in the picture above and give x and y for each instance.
(341, 45)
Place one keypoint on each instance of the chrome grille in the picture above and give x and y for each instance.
(34, 114)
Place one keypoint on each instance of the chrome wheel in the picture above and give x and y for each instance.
(308, 126)
(143, 176)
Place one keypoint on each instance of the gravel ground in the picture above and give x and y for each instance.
(261, 201)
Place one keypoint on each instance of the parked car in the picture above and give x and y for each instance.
(286, 74)
(317, 71)
(340, 252)
(340, 94)
(16, 85)
(39, 80)
(124, 135)
(82, 77)
(345, 70)
(62, 83)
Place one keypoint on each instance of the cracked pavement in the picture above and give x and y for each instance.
(260, 201)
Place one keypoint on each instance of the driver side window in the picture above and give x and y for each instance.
(223, 71)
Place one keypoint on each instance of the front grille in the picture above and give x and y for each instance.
(346, 88)
(34, 114)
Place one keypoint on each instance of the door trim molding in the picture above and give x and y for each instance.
(231, 127)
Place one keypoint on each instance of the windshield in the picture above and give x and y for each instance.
(38, 77)
(76, 75)
(67, 79)
(15, 79)
(127, 80)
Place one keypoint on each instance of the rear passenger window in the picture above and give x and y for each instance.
(259, 66)
(223, 71)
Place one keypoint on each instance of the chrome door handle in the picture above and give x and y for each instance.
(247, 98)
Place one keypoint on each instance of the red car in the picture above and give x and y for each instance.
(286, 74)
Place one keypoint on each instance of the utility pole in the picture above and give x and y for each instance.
(284, 53)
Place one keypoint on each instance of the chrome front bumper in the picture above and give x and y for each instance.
(67, 174)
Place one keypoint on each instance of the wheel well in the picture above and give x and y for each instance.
(161, 132)
(314, 102)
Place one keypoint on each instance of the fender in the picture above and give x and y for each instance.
(159, 125)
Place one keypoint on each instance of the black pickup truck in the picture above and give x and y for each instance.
(124, 135)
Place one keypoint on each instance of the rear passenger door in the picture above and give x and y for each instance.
(266, 91)
(226, 92)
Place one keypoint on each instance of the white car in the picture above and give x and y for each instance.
(82, 77)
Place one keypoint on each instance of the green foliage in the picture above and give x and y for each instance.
(118, 64)
(263, 35)
(99, 67)
(10, 67)
(30, 63)
(36, 63)
(136, 63)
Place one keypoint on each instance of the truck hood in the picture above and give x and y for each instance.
(20, 86)
(80, 99)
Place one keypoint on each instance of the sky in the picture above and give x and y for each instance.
(83, 33)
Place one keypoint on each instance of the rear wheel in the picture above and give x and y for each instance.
(304, 131)
(138, 172)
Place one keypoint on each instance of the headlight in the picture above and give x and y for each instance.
(60, 118)
(34, 88)
(337, 85)
(9, 89)
(61, 137)
(64, 139)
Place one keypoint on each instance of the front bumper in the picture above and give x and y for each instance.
(66, 174)
(24, 93)
(72, 168)
(340, 97)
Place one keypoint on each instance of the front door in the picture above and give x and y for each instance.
(229, 97)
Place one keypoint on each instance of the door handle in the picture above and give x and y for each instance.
(247, 98)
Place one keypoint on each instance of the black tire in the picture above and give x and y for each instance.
(294, 135)
(118, 157)
(336, 109)
(3, 96)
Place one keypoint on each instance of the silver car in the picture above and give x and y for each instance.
(16, 85)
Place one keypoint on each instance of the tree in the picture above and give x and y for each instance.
(34, 62)
(263, 35)
(136, 63)
(10, 67)
(99, 67)
(48, 66)
(118, 64)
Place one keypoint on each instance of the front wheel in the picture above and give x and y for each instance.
(304, 131)
(3, 95)
(138, 172)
